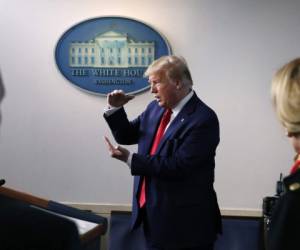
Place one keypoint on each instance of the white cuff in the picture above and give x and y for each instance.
(129, 160)
(109, 110)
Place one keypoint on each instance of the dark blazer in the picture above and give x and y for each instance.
(285, 221)
(181, 202)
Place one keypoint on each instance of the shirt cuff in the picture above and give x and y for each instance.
(109, 110)
(129, 160)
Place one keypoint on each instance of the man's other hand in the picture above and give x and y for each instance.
(117, 152)
(118, 98)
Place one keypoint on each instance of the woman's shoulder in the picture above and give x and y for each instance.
(292, 182)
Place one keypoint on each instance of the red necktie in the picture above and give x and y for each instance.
(295, 167)
(159, 134)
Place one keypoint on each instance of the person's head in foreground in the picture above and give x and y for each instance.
(286, 99)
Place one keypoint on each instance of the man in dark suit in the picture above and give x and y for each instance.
(174, 197)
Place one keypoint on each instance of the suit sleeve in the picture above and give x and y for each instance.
(191, 152)
(124, 131)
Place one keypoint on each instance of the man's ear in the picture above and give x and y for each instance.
(178, 84)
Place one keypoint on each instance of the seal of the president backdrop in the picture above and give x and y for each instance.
(106, 53)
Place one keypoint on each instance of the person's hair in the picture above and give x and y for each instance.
(174, 68)
(285, 93)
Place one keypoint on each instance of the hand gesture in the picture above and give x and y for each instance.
(118, 98)
(117, 152)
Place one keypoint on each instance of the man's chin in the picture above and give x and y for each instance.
(161, 104)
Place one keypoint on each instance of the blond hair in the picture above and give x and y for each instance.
(174, 67)
(285, 93)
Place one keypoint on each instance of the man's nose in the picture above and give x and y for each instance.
(153, 89)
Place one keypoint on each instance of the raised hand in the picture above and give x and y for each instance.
(117, 152)
(118, 98)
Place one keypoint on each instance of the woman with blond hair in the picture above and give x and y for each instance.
(285, 222)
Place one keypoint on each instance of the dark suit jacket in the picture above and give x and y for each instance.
(181, 202)
(285, 221)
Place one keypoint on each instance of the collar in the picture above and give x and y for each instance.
(181, 104)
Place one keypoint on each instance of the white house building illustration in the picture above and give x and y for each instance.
(111, 50)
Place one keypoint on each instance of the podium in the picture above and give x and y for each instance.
(30, 222)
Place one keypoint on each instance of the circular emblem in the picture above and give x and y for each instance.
(106, 53)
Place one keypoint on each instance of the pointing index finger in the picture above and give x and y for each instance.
(108, 142)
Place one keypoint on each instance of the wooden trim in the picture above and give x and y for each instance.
(43, 204)
(92, 234)
(25, 197)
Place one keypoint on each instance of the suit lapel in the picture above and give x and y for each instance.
(144, 148)
(180, 120)
(155, 118)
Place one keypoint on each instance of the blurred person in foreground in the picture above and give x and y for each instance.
(177, 135)
(2, 94)
(285, 220)
(24, 227)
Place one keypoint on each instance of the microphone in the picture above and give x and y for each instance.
(2, 182)
(279, 186)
